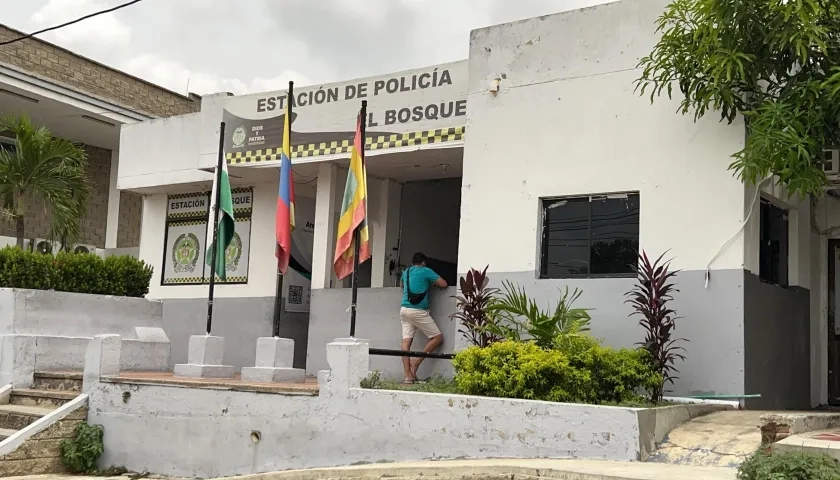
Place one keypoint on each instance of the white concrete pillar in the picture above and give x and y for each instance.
(323, 244)
(113, 220)
(385, 222)
(17, 360)
(102, 357)
(349, 361)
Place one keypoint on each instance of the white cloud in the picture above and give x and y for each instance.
(259, 45)
(175, 76)
(104, 30)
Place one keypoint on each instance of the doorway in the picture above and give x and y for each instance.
(833, 337)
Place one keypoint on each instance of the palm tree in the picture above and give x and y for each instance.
(40, 165)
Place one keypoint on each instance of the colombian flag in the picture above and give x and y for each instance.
(353, 211)
(285, 216)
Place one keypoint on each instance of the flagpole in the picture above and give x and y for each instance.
(217, 182)
(357, 230)
(278, 295)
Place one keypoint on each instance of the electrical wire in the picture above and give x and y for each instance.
(743, 225)
(56, 27)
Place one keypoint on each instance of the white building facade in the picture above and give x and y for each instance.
(536, 157)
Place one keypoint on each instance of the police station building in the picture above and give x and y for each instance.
(535, 157)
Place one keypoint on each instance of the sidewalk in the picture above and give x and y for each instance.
(490, 469)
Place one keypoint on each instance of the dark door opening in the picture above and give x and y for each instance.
(833, 338)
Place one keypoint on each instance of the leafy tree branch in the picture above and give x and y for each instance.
(774, 62)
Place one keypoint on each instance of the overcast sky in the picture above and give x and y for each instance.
(246, 46)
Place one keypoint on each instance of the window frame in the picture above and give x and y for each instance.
(545, 202)
(784, 260)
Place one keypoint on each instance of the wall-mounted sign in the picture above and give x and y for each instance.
(298, 281)
(183, 260)
(417, 107)
(188, 205)
(186, 232)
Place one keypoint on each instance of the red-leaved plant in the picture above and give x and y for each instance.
(649, 299)
(472, 313)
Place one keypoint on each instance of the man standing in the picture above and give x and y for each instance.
(417, 280)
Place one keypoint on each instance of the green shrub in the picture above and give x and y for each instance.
(520, 370)
(618, 375)
(74, 272)
(791, 466)
(81, 453)
(516, 316)
(579, 370)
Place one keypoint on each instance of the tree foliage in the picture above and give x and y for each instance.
(40, 165)
(776, 62)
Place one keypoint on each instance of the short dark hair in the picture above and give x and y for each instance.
(418, 258)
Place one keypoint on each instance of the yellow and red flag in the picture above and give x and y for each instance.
(353, 211)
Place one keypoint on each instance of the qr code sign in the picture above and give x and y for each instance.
(296, 294)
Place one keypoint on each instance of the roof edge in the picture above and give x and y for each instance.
(71, 52)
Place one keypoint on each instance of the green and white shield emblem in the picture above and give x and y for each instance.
(185, 253)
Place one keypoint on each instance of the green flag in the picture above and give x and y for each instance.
(221, 183)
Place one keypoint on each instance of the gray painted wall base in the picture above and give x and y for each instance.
(777, 329)
(378, 320)
(743, 335)
(712, 321)
(239, 320)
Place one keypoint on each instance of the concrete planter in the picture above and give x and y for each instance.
(345, 424)
(44, 330)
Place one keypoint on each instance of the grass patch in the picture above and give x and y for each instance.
(790, 466)
(435, 384)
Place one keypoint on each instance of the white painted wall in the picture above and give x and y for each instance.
(567, 122)
(168, 151)
(342, 425)
(262, 262)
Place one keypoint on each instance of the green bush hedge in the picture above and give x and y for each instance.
(618, 375)
(74, 272)
(577, 370)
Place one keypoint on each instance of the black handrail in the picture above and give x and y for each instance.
(402, 353)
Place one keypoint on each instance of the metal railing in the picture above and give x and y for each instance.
(403, 353)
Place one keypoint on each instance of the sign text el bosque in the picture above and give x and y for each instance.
(360, 91)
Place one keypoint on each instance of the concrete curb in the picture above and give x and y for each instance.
(505, 469)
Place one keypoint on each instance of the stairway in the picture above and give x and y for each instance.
(49, 391)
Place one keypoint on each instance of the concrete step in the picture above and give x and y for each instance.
(6, 433)
(62, 381)
(41, 398)
(820, 442)
(16, 417)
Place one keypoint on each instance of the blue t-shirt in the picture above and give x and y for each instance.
(422, 279)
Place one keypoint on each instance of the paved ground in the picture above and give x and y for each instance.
(492, 470)
(722, 439)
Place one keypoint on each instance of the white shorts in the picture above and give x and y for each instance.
(414, 319)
